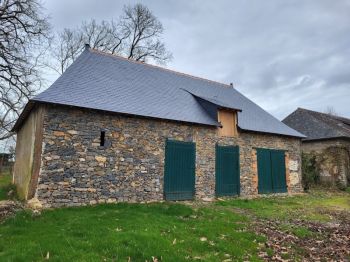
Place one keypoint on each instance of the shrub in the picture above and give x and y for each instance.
(310, 174)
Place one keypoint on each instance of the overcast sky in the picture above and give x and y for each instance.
(281, 54)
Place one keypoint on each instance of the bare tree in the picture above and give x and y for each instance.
(136, 36)
(70, 43)
(23, 32)
(331, 111)
(142, 31)
(66, 48)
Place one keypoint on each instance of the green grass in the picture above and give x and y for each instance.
(5, 185)
(167, 231)
(171, 232)
(301, 207)
(302, 232)
(299, 231)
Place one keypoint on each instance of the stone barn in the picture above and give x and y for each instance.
(328, 141)
(110, 130)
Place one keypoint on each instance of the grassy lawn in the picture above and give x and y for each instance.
(219, 231)
(169, 232)
(5, 185)
(302, 207)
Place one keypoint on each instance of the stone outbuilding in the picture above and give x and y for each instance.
(328, 141)
(110, 130)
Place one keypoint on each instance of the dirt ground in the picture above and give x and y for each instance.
(328, 241)
(9, 208)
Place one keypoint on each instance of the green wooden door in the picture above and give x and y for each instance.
(271, 171)
(227, 171)
(278, 171)
(264, 171)
(179, 170)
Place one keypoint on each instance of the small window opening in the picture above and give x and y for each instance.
(102, 138)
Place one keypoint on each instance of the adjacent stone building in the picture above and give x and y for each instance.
(328, 141)
(111, 130)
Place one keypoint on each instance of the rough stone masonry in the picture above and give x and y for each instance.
(76, 170)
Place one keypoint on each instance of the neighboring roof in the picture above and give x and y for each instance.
(316, 125)
(111, 83)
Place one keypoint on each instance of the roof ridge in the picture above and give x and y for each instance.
(157, 67)
(317, 112)
(340, 118)
(334, 120)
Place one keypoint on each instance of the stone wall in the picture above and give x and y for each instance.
(76, 170)
(332, 160)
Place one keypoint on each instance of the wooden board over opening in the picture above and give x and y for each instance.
(228, 120)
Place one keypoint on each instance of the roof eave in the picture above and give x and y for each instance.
(271, 133)
(23, 116)
(310, 140)
(33, 101)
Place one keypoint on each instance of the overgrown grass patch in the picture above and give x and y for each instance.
(169, 232)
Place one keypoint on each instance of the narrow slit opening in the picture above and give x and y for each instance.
(102, 138)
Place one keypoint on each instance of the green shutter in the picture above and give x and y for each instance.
(179, 170)
(278, 171)
(271, 171)
(227, 171)
(264, 171)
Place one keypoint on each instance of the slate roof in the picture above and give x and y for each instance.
(316, 125)
(107, 82)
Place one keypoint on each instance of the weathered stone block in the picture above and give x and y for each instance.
(34, 203)
(101, 159)
(73, 132)
(293, 165)
(294, 178)
(58, 133)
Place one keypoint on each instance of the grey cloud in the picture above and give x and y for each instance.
(281, 54)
